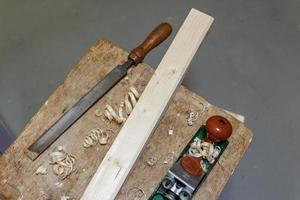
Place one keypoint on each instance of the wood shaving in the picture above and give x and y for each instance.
(59, 184)
(41, 170)
(194, 115)
(98, 113)
(64, 197)
(92, 138)
(201, 148)
(112, 115)
(152, 161)
(103, 140)
(203, 165)
(96, 136)
(212, 157)
(135, 193)
(129, 102)
(63, 163)
(216, 152)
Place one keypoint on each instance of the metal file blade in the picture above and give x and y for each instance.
(158, 35)
(71, 115)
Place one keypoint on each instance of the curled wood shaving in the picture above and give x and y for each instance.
(203, 165)
(194, 115)
(63, 163)
(59, 184)
(131, 99)
(152, 161)
(96, 136)
(129, 102)
(41, 170)
(64, 197)
(135, 193)
(103, 139)
(92, 139)
(212, 157)
(201, 148)
(112, 115)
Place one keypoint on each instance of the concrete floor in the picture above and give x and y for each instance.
(249, 64)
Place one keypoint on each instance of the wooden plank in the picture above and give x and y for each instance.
(128, 145)
(17, 171)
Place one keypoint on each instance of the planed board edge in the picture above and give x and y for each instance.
(131, 139)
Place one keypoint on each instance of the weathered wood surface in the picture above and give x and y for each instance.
(17, 171)
(147, 113)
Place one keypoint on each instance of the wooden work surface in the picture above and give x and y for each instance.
(17, 176)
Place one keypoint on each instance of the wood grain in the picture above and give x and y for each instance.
(17, 170)
(141, 123)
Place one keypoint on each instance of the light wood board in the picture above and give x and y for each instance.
(141, 123)
(17, 171)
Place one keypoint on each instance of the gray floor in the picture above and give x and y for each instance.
(249, 64)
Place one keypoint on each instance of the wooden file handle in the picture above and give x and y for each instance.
(157, 36)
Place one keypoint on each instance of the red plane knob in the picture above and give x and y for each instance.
(218, 128)
(191, 165)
